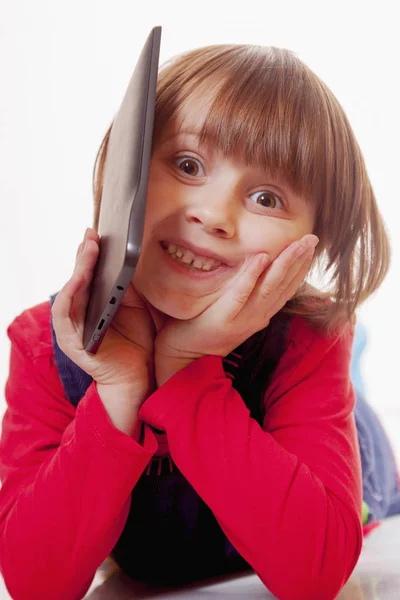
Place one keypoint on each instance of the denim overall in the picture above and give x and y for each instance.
(171, 535)
(381, 480)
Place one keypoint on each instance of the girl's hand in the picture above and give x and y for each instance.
(247, 307)
(125, 359)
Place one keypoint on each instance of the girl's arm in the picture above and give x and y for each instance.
(288, 495)
(66, 474)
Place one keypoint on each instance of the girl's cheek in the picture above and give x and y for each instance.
(284, 242)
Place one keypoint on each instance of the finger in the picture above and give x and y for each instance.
(284, 268)
(294, 285)
(90, 234)
(65, 327)
(232, 302)
(69, 308)
(85, 266)
(283, 289)
(300, 272)
(81, 245)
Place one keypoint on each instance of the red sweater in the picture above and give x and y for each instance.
(288, 496)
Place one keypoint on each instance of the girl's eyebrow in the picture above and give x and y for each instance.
(184, 131)
(188, 131)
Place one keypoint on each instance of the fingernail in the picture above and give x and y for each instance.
(263, 260)
(311, 241)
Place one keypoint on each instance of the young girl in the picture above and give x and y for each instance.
(215, 428)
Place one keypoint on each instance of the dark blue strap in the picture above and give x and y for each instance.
(75, 381)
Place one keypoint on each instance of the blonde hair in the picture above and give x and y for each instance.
(271, 109)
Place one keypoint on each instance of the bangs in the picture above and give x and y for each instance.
(264, 108)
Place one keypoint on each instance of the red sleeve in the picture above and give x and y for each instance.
(288, 496)
(66, 474)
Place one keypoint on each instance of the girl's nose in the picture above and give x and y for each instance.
(214, 217)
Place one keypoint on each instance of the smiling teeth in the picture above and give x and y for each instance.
(188, 258)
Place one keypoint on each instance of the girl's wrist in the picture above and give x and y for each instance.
(166, 367)
(122, 405)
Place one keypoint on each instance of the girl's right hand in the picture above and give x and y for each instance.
(124, 362)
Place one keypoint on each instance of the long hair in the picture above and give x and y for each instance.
(270, 109)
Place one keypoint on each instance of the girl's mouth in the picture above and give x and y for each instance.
(188, 258)
(184, 261)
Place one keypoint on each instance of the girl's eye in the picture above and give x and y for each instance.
(267, 199)
(190, 166)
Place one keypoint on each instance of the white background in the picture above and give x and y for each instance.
(64, 69)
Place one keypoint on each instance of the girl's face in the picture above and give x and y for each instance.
(213, 209)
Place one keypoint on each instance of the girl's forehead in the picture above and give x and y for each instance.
(191, 115)
(191, 108)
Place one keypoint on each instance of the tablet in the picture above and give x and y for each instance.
(123, 199)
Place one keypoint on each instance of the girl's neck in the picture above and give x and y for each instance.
(159, 318)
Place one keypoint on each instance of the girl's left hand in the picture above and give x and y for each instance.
(247, 307)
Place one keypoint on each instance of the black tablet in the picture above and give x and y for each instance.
(123, 200)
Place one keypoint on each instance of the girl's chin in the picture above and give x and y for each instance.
(177, 308)
(176, 312)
